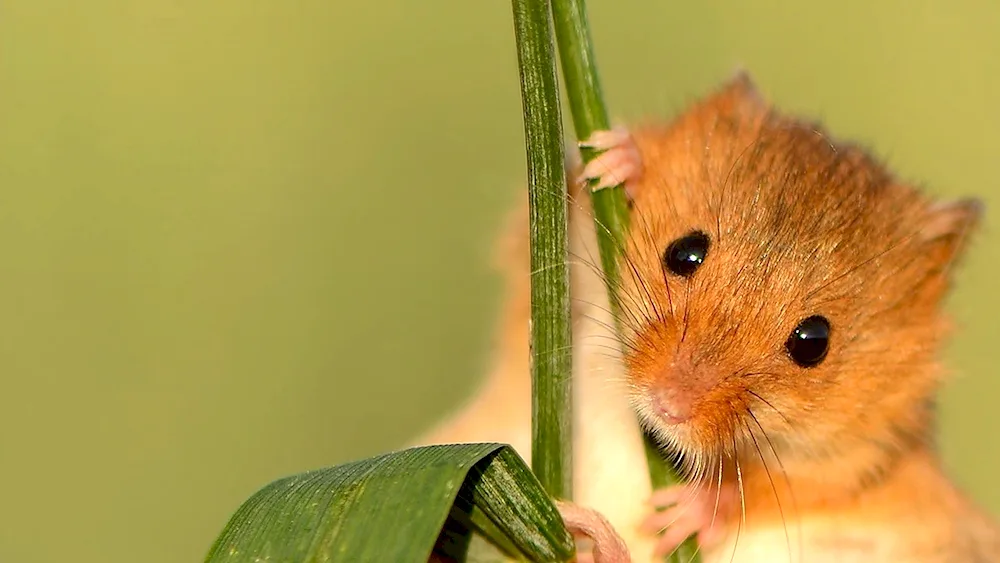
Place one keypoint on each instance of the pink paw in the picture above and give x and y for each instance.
(688, 510)
(619, 163)
(606, 545)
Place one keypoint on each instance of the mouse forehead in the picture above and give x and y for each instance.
(770, 185)
(789, 216)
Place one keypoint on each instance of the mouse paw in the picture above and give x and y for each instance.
(619, 163)
(606, 546)
(688, 510)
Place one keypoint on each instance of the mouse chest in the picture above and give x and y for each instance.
(803, 542)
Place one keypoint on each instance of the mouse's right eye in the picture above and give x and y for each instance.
(684, 255)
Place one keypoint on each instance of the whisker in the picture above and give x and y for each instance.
(791, 490)
(767, 471)
(743, 503)
(651, 240)
(768, 403)
(637, 278)
(618, 288)
(609, 327)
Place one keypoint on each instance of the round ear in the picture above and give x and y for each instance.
(947, 228)
(739, 94)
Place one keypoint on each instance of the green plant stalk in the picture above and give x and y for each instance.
(551, 354)
(583, 88)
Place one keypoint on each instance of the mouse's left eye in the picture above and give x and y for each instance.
(808, 343)
(684, 255)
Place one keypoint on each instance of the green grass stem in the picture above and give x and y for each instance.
(551, 354)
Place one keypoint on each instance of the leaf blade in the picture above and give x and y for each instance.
(392, 507)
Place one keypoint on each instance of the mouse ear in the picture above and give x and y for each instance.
(739, 94)
(947, 228)
(742, 83)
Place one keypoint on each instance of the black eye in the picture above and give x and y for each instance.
(809, 341)
(685, 254)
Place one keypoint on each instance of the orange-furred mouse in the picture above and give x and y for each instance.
(781, 304)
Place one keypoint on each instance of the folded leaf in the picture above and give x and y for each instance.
(395, 507)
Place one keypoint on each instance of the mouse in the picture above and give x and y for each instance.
(781, 314)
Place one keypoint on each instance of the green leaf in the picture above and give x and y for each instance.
(400, 507)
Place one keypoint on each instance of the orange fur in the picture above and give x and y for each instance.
(833, 462)
(799, 225)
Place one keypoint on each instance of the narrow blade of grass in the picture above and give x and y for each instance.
(551, 356)
(583, 89)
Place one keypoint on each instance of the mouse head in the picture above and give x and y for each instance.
(780, 286)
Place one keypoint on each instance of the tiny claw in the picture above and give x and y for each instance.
(619, 163)
(608, 546)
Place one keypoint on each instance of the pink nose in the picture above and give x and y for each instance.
(673, 406)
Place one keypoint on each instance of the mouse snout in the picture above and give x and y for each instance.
(672, 406)
(680, 388)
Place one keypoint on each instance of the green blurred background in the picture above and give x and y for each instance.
(243, 238)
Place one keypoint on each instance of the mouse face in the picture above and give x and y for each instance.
(780, 287)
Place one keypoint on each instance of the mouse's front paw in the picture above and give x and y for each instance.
(685, 510)
(606, 546)
(619, 163)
